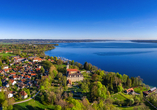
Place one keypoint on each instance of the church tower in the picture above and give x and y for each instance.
(67, 65)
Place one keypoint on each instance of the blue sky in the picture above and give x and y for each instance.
(78, 19)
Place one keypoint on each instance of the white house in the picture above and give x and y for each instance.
(7, 85)
(10, 95)
(5, 67)
(13, 82)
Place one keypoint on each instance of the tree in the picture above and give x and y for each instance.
(120, 88)
(28, 92)
(0, 62)
(42, 70)
(59, 62)
(141, 95)
(55, 58)
(72, 62)
(51, 58)
(64, 81)
(98, 90)
(124, 78)
(0, 83)
(86, 65)
(128, 82)
(84, 87)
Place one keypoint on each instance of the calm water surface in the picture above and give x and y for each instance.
(125, 57)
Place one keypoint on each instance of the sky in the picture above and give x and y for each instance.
(78, 19)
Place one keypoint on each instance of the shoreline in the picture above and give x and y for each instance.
(98, 67)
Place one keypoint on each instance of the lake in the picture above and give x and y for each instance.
(125, 57)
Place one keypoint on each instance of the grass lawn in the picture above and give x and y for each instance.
(86, 75)
(127, 95)
(63, 65)
(32, 105)
(139, 89)
(129, 108)
(6, 54)
(118, 97)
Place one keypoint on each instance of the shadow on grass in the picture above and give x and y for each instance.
(28, 107)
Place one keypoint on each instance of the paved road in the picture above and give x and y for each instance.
(27, 99)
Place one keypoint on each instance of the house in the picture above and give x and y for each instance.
(3, 89)
(1, 72)
(12, 74)
(12, 82)
(16, 60)
(8, 51)
(1, 51)
(37, 69)
(21, 85)
(129, 91)
(7, 85)
(50, 60)
(33, 74)
(6, 70)
(15, 56)
(11, 64)
(145, 93)
(15, 77)
(37, 59)
(29, 84)
(23, 94)
(27, 77)
(150, 91)
(74, 75)
(10, 94)
(5, 67)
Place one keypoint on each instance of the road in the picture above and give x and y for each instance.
(27, 99)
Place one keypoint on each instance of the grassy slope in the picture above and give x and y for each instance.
(32, 105)
(6, 54)
(139, 89)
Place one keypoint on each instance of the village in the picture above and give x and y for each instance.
(20, 77)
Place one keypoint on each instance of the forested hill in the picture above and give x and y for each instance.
(146, 41)
(39, 41)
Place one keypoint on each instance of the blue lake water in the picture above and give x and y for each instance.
(125, 57)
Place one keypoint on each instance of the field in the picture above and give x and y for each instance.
(32, 105)
(6, 54)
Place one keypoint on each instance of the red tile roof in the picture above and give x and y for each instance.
(6, 70)
(72, 70)
(23, 93)
(23, 80)
(11, 80)
(12, 73)
(37, 69)
(130, 89)
(33, 74)
(27, 76)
